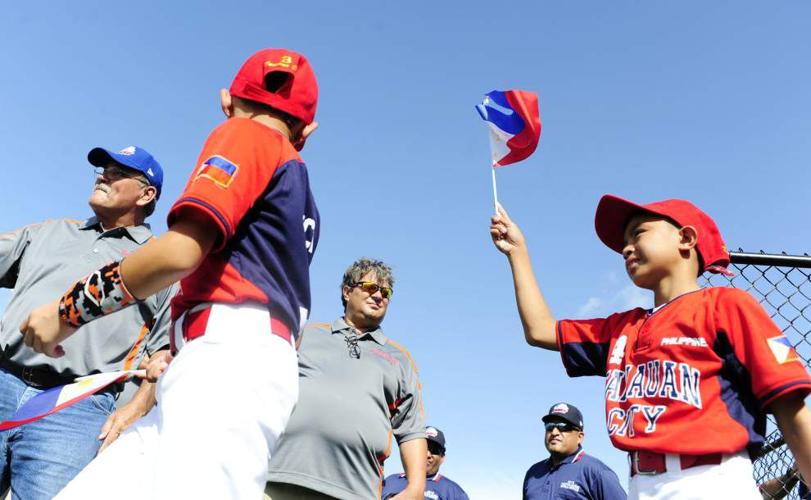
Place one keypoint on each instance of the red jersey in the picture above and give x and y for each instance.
(693, 377)
(254, 187)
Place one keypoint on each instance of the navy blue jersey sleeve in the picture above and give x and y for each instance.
(604, 483)
(392, 485)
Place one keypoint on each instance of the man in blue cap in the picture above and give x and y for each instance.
(38, 262)
(437, 486)
(569, 472)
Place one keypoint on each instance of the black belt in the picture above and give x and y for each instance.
(41, 377)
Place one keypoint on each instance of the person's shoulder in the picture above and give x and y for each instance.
(726, 293)
(392, 477)
(538, 467)
(246, 131)
(450, 482)
(57, 224)
(317, 328)
(400, 353)
(595, 465)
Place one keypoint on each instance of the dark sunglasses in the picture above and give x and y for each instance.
(371, 288)
(561, 426)
(435, 448)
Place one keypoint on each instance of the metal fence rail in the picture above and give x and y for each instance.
(782, 284)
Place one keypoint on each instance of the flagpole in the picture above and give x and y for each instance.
(495, 191)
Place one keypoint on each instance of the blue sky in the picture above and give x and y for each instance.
(706, 101)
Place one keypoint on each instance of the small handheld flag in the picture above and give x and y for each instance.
(57, 398)
(515, 126)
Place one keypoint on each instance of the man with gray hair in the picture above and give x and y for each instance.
(357, 388)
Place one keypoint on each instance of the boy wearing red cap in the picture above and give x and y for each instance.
(688, 382)
(240, 241)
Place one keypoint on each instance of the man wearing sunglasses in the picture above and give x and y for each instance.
(437, 486)
(569, 472)
(357, 390)
(38, 262)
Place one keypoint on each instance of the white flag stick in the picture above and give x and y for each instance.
(495, 191)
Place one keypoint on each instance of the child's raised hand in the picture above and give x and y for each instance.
(506, 235)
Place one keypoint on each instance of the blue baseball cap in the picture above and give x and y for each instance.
(131, 157)
(435, 435)
(566, 412)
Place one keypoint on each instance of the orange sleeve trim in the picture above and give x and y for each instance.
(404, 351)
(136, 347)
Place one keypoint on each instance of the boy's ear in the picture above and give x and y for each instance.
(226, 103)
(688, 237)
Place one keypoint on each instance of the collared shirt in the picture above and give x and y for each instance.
(349, 408)
(576, 476)
(437, 487)
(41, 261)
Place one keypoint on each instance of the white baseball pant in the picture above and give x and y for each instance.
(222, 404)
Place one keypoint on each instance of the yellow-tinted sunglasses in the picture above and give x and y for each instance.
(371, 288)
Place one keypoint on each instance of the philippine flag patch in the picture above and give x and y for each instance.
(782, 349)
(219, 170)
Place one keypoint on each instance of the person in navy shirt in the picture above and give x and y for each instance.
(569, 472)
(437, 486)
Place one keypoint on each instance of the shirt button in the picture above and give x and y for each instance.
(95, 250)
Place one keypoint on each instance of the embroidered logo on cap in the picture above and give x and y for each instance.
(129, 151)
(284, 62)
(560, 408)
(431, 432)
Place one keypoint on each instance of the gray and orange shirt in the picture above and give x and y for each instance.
(39, 262)
(352, 401)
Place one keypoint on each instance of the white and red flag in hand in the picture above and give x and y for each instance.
(515, 124)
(56, 398)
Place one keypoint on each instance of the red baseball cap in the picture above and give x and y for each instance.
(613, 213)
(296, 95)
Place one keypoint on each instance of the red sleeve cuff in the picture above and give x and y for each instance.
(801, 386)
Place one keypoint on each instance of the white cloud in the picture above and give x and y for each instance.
(628, 297)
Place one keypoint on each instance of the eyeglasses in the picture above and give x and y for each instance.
(561, 426)
(115, 173)
(371, 288)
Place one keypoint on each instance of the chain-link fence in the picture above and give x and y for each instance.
(782, 284)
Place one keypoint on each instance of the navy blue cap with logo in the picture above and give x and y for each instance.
(435, 435)
(131, 157)
(566, 412)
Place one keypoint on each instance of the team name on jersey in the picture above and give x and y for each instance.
(570, 485)
(688, 341)
(621, 422)
(432, 495)
(655, 379)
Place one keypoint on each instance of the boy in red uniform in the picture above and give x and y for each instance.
(240, 240)
(689, 381)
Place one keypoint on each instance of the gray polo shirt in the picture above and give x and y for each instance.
(348, 409)
(41, 261)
